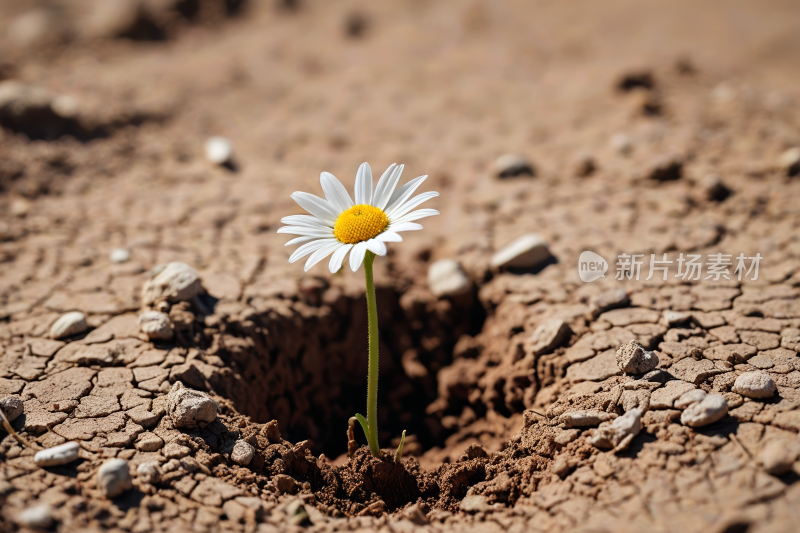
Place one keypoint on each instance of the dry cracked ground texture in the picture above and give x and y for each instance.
(624, 112)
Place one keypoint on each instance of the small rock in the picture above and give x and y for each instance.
(119, 255)
(12, 407)
(584, 165)
(20, 207)
(446, 278)
(285, 484)
(173, 450)
(789, 161)
(356, 25)
(621, 143)
(190, 408)
(511, 166)
(416, 515)
(610, 299)
(709, 410)
(527, 251)
(619, 433)
(549, 335)
(577, 419)
(632, 358)
(242, 453)
(29, 110)
(713, 188)
(114, 477)
(755, 385)
(778, 455)
(173, 282)
(691, 397)
(149, 472)
(57, 455)
(156, 325)
(676, 317)
(37, 516)
(149, 442)
(665, 168)
(475, 503)
(69, 324)
(219, 150)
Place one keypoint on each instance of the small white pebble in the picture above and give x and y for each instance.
(218, 150)
(621, 143)
(156, 325)
(690, 397)
(242, 453)
(69, 324)
(58, 455)
(755, 385)
(114, 477)
(38, 516)
(149, 472)
(709, 410)
(119, 255)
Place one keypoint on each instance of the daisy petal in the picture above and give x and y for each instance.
(306, 231)
(309, 247)
(298, 240)
(316, 206)
(416, 215)
(338, 258)
(386, 186)
(376, 247)
(402, 194)
(411, 204)
(389, 236)
(405, 226)
(303, 220)
(363, 187)
(335, 192)
(321, 254)
(357, 255)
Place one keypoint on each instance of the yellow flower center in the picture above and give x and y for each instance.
(360, 223)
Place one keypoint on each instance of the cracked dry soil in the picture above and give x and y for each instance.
(667, 128)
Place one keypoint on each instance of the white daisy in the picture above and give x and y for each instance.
(339, 225)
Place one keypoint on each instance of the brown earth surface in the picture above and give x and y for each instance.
(647, 128)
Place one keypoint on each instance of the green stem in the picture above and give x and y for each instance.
(372, 376)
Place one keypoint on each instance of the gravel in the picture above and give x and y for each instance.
(156, 325)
